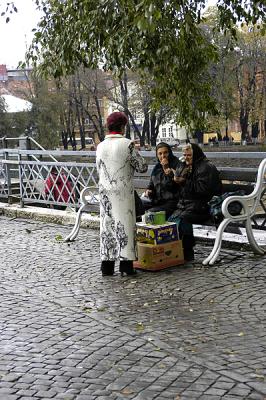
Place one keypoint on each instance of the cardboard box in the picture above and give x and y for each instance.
(157, 257)
(156, 234)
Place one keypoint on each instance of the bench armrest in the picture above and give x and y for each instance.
(89, 195)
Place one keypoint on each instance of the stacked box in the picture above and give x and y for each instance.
(158, 246)
(156, 257)
(156, 234)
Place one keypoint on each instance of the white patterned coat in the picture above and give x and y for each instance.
(116, 160)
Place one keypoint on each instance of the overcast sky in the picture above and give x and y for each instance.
(16, 36)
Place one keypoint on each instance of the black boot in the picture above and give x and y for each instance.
(188, 244)
(126, 267)
(107, 268)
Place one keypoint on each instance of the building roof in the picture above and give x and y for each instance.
(15, 104)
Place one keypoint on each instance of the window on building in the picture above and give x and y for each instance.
(170, 131)
(163, 132)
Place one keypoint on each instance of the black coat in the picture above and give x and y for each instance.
(200, 185)
(163, 186)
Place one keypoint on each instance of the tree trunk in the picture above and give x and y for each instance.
(124, 94)
(243, 118)
(64, 137)
(153, 132)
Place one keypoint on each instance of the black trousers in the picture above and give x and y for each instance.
(108, 266)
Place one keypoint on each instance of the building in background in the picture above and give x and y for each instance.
(15, 81)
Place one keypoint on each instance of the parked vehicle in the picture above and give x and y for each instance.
(89, 144)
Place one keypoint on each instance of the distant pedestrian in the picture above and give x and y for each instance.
(58, 188)
(116, 160)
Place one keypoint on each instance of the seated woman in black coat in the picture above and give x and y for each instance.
(198, 180)
(162, 190)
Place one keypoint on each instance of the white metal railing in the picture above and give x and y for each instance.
(4, 186)
(27, 168)
(53, 183)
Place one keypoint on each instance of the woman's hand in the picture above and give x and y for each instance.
(183, 175)
(179, 179)
(165, 163)
(148, 193)
(169, 171)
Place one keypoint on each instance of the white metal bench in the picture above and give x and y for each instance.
(250, 205)
(89, 201)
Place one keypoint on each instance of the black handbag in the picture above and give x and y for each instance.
(216, 202)
(140, 210)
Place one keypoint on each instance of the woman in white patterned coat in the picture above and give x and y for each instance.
(116, 160)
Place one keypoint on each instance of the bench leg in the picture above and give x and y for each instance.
(217, 244)
(74, 233)
(252, 241)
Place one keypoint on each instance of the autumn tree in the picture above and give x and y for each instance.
(67, 113)
(250, 77)
(130, 94)
(89, 95)
(222, 76)
(45, 112)
(162, 38)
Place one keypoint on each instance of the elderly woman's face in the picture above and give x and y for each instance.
(162, 153)
(188, 156)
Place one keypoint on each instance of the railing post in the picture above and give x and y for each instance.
(28, 147)
(8, 178)
(20, 180)
(4, 142)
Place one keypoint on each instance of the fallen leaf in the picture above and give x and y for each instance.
(58, 238)
(101, 308)
(140, 327)
(127, 391)
(230, 352)
(259, 376)
(241, 334)
(87, 309)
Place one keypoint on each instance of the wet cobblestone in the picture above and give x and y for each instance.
(189, 332)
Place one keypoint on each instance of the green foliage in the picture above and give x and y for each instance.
(45, 112)
(2, 105)
(161, 39)
(12, 124)
(4, 120)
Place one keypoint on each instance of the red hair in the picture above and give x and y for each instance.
(116, 121)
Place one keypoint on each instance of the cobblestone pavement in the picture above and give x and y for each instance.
(189, 332)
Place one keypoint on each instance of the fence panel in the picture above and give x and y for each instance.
(55, 183)
(4, 180)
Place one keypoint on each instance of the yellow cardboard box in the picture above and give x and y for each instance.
(156, 234)
(156, 257)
